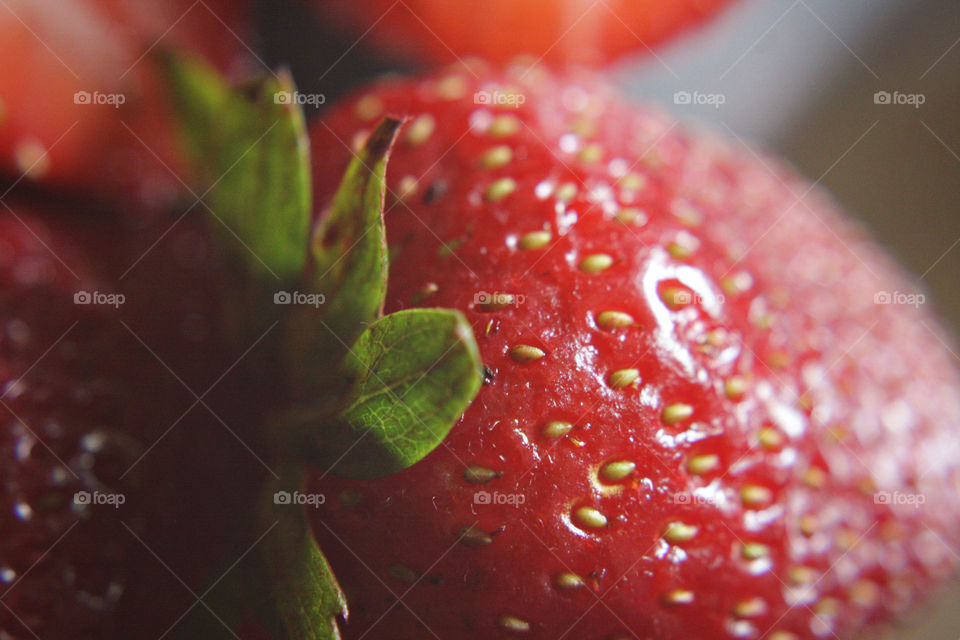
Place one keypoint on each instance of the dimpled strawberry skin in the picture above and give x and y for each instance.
(696, 422)
(93, 402)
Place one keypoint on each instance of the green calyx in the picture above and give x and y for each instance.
(371, 394)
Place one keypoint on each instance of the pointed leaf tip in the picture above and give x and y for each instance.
(349, 243)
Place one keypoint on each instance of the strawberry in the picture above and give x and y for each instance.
(565, 32)
(697, 421)
(105, 461)
(83, 109)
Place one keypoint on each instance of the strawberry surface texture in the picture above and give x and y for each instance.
(698, 418)
(107, 463)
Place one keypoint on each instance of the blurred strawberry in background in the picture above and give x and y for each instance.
(82, 109)
(564, 31)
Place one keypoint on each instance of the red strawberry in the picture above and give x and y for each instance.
(88, 409)
(697, 420)
(498, 30)
(84, 89)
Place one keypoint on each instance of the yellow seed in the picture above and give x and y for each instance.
(677, 532)
(591, 154)
(535, 240)
(474, 536)
(596, 263)
(783, 635)
(614, 320)
(513, 623)
(827, 607)
(700, 465)
(569, 581)
(368, 107)
(504, 125)
(406, 188)
(566, 192)
(622, 378)
(616, 471)
(735, 387)
(557, 428)
(403, 573)
(495, 301)
(631, 215)
(750, 608)
(475, 474)
(675, 297)
(755, 496)
(633, 181)
(687, 213)
(864, 593)
(452, 87)
(754, 551)
(497, 157)
(770, 438)
(32, 159)
(526, 353)
(421, 129)
(736, 284)
(815, 477)
(808, 524)
(424, 292)
(679, 596)
(801, 575)
(590, 517)
(677, 412)
(679, 251)
(779, 359)
(500, 189)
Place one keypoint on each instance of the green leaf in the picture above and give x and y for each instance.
(350, 259)
(302, 596)
(411, 375)
(252, 154)
(349, 246)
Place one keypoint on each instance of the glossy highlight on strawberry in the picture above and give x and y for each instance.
(696, 421)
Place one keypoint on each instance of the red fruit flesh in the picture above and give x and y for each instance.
(568, 31)
(61, 53)
(765, 401)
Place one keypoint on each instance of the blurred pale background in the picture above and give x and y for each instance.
(798, 78)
